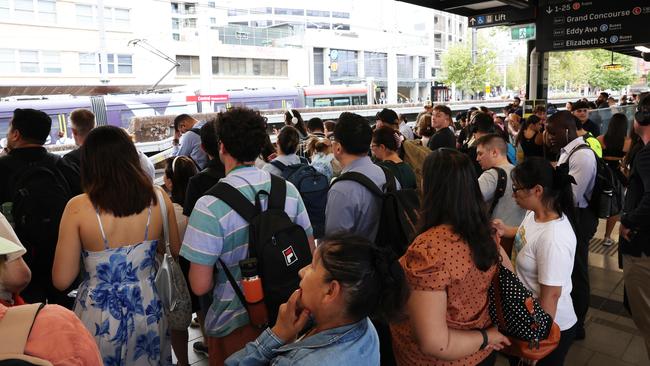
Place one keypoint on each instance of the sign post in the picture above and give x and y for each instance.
(569, 25)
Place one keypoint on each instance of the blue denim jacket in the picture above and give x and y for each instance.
(355, 344)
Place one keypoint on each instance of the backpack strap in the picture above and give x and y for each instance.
(234, 284)
(235, 199)
(361, 179)
(390, 185)
(502, 181)
(579, 147)
(278, 165)
(18, 321)
(278, 193)
(196, 130)
(304, 160)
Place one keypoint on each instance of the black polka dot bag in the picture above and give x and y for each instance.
(520, 317)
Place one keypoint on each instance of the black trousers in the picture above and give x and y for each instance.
(555, 358)
(587, 223)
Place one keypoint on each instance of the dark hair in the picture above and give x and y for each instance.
(180, 118)
(495, 141)
(454, 198)
(209, 138)
(372, 279)
(388, 137)
(517, 98)
(443, 108)
(34, 125)
(242, 131)
(82, 120)
(315, 124)
(330, 125)
(288, 140)
(353, 133)
(300, 123)
(484, 123)
(531, 120)
(268, 149)
(616, 132)
(484, 109)
(580, 104)
(179, 170)
(556, 183)
(111, 174)
(388, 116)
(642, 114)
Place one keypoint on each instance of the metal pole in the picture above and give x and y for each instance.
(103, 61)
(474, 44)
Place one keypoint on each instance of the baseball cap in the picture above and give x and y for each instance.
(9, 247)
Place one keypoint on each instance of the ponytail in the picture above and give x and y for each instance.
(373, 281)
(564, 201)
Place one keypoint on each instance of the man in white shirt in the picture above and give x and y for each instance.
(561, 136)
(187, 139)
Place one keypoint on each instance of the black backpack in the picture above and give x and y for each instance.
(280, 246)
(606, 197)
(39, 194)
(502, 181)
(313, 187)
(399, 211)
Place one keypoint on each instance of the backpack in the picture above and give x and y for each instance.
(399, 216)
(18, 322)
(39, 194)
(606, 197)
(502, 181)
(279, 245)
(313, 187)
(414, 155)
(196, 131)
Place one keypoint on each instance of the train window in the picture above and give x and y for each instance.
(364, 100)
(322, 102)
(356, 100)
(341, 101)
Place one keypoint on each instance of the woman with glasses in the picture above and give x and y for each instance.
(545, 244)
(385, 145)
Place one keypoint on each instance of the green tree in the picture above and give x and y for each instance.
(609, 79)
(516, 74)
(457, 68)
(573, 70)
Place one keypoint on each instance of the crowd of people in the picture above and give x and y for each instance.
(86, 233)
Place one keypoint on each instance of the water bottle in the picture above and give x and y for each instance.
(253, 293)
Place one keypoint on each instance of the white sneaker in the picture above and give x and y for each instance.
(608, 242)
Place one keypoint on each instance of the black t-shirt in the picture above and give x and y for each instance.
(592, 127)
(28, 155)
(200, 183)
(442, 138)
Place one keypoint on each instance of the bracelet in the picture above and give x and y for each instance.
(485, 339)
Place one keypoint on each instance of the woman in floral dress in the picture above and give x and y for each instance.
(115, 227)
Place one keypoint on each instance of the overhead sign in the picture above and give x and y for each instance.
(568, 25)
(207, 98)
(613, 67)
(504, 16)
(524, 32)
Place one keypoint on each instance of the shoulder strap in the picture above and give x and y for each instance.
(502, 181)
(390, 185)
(361, 179)
(278, 193)
(579, 147)
(196, 130)
(278, 165)
(235, 199)
(234, 284)
(304, 160)
(18, 322)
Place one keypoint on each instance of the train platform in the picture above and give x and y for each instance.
(612, 338)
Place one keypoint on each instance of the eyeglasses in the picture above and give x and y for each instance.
(515, 189)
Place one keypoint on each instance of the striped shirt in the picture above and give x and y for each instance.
(216, 231)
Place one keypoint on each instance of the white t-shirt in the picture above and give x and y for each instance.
(545, 254)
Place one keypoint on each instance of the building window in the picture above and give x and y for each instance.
(376, 64)
(213, 20)
(319, 25)
(7, 61)
(343, 63)
(84, 14)
(189, 23)
(435, 19)
(51, 62)
(122, 16)
(297, 12)
(233, 66)
(236, 12)
(24, 9)
(422, 61)
(211, 4)
(267, 10)
(337, 14)
(176, 36)
(319, 75)
(189, 65)
(88, 63)
(404, 67)
(176, 24)
(339, 26)
(29, 61)
(124, 63)
(190, 8)
(47, 10)
(4, 9)
(450, 38)
(174, 8)
(318, 13)
(280, 11)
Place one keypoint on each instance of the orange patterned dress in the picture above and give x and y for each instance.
(439, 260)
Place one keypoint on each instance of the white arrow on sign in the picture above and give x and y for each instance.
(549, 10)
(472, 21)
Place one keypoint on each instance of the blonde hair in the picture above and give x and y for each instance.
(318, 145)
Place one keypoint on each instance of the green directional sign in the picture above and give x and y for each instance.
(522, 32)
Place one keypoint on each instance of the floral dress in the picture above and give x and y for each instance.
(118, 304)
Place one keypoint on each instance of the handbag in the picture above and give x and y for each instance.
(520, 317)
(170, 282)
